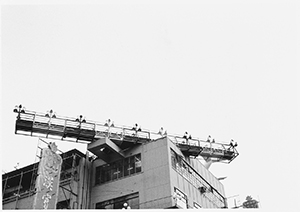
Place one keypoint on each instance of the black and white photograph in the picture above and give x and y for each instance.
(137, 105)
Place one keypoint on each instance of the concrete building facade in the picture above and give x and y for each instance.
(163, 178)
(151, 175)
(19, 186)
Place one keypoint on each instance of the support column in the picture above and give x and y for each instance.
(18, 194)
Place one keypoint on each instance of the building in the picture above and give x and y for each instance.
(123, 167)
(18, 186)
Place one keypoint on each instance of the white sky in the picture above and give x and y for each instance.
(228, 70)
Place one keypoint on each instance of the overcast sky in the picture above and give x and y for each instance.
(228, 70)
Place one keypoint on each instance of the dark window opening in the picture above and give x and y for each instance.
(19, 185)
(63, 204)
(119, 169)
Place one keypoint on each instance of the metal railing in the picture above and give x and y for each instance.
(86, 131)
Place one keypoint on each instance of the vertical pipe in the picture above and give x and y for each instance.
(87, 181)
(33, 122)
(225, 202)
(94, 132)
(72, 180)
(79, 186)
(31, 188)
(18, 194)
(49, 124)
(64, 130)
(84, 167)
(4, 187)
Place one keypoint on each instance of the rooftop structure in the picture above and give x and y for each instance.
(130, 167)
(49, 125)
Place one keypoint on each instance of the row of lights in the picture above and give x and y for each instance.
(20, 109)
(50, 114)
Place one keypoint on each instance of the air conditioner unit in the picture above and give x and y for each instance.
(202, 189)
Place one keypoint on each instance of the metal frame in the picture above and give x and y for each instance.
(70, 129)
(18, 195)
(33, 179)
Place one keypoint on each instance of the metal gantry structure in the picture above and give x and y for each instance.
(51, 126)
(79, 130)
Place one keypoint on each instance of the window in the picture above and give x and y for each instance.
(138, 163)
(63, 204)
(173, 159)
(128, 166)
(119, 169)
(185, 170)
(118, 203)
(180, 199)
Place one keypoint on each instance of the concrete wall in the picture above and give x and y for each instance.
(84, 183)
(152, 183)
(208, 176)
(157, 192)
(192, 192)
